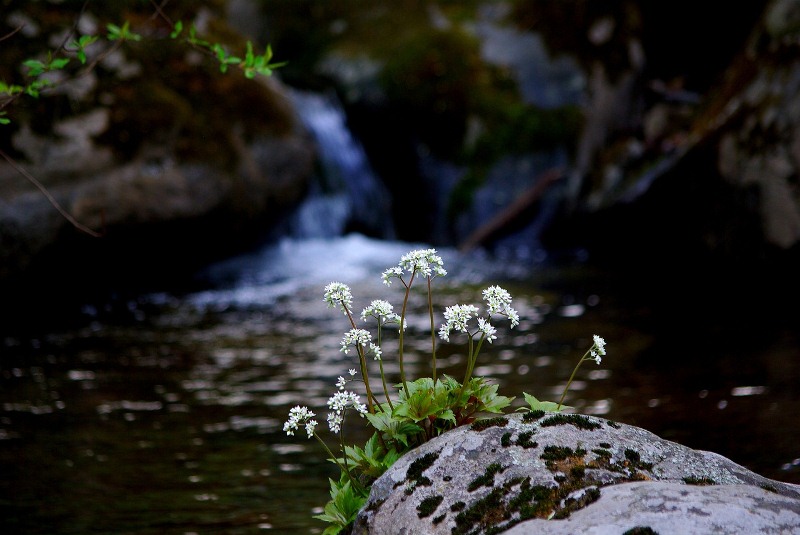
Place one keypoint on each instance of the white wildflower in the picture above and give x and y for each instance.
(424, 261)
(334, 422)
(355, 337)
(341, 383)
(487, 329)
(376, 351)
(498, 301)
(382, 311)
(456, 318)
(338, 294)
(310, 425)
(352, 372)
(599, 344)
(297, 416)
(598, 349)
(391, 273)
(340, 402)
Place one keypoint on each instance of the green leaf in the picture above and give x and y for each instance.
(35, 67)
(448, 416)
(115, 33)
(58, 64)
(343, 508)
(10, 90)
(176, 30)
(4, 119)
(547, 406)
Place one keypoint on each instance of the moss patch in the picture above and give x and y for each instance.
(559, 453)
(532, 415)
(487, 478)
(578, 420)
(414, 473)
(482, 425)
(641, 530)
(429, 505)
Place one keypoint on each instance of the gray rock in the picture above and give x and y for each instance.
(583, 472)
(676, 508)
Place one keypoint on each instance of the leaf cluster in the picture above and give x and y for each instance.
(341, 511)
(35, 70)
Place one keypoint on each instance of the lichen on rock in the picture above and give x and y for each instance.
(487, 480)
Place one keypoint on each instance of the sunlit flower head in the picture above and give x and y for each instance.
(391, 273)
(424, 261)
(338, 294)
(310, 425)
(382, 311)
(487, 329)
(456, 318)
(498, 301)
(599, 344)
(298, 416)
(355, 337)
(338, 403)
(598, 349)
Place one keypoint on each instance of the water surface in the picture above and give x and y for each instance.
(163, 414)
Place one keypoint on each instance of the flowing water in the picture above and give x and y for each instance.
(163, 414)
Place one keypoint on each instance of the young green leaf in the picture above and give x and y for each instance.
(176, 30)
(547, 406)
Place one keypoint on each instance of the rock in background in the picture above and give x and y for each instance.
(172, 162)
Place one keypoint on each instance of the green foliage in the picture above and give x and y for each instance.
(34, 68)
(124, 33)
(371, 461)
(547, 406)
(341, 511)
(79, 46)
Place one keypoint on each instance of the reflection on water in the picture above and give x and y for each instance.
(166, 417)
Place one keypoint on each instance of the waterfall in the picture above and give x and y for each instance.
(346, 195)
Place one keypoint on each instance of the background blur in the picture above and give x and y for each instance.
(624, 168)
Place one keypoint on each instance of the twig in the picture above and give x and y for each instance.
(75, 223)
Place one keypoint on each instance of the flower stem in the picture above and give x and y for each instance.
(402, 324)
(571, 377)
(336, 460)
(362, 359)
(433, 331)
(380, 363)
(363, 362)
(473, 356)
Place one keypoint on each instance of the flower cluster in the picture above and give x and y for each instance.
(363, 338)
(300, 416)
(338, 294)
(340, 402)
(456, 318)
(598, 349)
(498, 301)
(382, 311)
(423, 261)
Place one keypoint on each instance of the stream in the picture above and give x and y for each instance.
(164, 413)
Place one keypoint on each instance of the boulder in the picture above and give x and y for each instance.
(564, 473)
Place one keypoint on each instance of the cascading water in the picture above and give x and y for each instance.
(347, 194)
